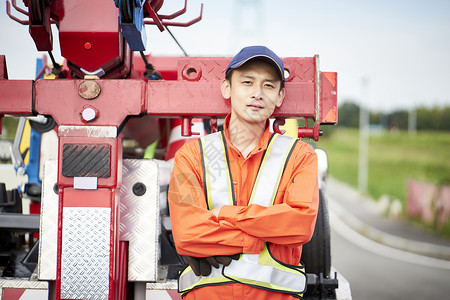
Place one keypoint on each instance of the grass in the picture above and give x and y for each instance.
(393, 159)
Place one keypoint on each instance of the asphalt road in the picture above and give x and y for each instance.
(378, 272)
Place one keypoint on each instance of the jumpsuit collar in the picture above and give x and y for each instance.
(263, 141)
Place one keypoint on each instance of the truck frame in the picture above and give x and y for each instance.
(104, 225)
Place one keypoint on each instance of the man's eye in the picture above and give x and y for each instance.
(271, 86)
(247, 82)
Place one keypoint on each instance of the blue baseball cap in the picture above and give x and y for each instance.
(257, 52)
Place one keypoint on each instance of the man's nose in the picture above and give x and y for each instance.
(257, 91)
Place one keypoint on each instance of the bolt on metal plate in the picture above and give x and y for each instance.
(89, 89)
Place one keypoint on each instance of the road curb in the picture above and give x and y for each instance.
(370, 232)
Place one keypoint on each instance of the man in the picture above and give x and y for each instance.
(243, 201)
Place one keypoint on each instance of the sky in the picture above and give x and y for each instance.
(399, 48)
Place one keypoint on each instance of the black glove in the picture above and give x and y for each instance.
(224, 259)
(199, 265)
(202, 265)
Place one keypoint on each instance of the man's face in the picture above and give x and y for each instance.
(254, 91)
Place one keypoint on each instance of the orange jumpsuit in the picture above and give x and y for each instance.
(286, 225)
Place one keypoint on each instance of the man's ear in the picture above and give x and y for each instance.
(280, 97)
(225, 88)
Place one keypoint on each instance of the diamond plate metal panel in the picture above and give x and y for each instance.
(169, 285)
(85, 253)
(139, 218)
(48, 230)
(15, 283)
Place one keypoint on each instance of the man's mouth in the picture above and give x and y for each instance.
(255, 106)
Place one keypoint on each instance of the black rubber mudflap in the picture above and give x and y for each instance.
(86, 160)
(316, 253)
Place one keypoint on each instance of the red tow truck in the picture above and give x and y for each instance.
(103, 231)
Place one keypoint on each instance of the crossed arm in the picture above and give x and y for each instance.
(241, 229)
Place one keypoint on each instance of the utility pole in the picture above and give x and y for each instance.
(363, 165)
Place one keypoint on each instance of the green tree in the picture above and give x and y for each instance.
(445, 118)
(398, 119)
(348, 114)
(426, 119)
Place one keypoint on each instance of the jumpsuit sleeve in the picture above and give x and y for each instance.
(291, 220)
(197, 231)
